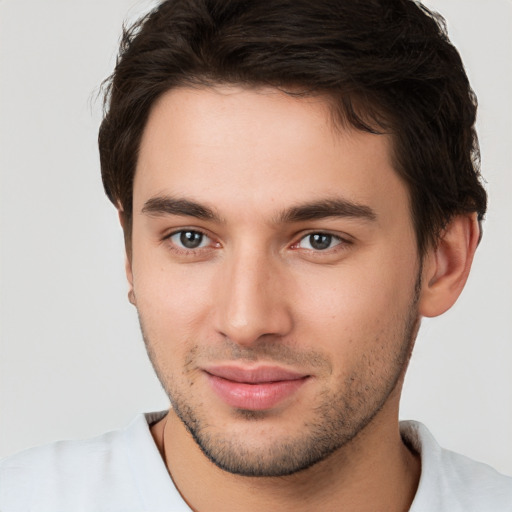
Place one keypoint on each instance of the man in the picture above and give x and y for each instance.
(298, 185)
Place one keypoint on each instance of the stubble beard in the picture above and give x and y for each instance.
(339, 417)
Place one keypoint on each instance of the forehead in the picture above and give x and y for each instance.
(242, 148)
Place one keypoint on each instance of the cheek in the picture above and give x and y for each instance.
(356, 307)
(172, 301)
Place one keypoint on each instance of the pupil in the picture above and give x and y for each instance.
(191, 239)
(320, 241)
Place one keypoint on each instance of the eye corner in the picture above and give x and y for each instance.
(189, 241)
(319, 241)
(322, 245)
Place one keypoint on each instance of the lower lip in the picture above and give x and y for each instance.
(254, 397)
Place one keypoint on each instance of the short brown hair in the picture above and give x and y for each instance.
(386, 65)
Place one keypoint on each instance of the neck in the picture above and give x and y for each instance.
(374, 471)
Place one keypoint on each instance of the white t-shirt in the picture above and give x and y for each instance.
(122, 471)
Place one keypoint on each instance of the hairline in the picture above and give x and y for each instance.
(338, 120)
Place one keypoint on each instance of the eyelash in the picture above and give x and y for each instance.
(332, 238)
(341, 243)
(188, 251)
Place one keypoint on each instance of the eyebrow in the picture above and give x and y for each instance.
(336, 207)
(164, 205)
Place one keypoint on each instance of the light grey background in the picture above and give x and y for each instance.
(72, 363)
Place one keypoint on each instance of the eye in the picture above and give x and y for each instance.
(189, 239)
(319, 241)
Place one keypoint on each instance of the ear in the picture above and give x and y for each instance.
(127, 258)
(446, 267)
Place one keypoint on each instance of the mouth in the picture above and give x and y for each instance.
(256, 389)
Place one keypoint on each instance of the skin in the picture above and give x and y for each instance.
(257, 292)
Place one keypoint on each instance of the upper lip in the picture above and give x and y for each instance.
(256, 375)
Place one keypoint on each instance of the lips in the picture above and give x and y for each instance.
(254, 389)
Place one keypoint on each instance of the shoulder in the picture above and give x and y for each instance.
(452, 482)
(64, 453)
(53, 477)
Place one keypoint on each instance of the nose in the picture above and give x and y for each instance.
(253, 302)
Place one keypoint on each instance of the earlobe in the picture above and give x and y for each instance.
(446, 267)
(127, 261)
(129, 277)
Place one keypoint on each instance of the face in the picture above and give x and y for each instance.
(274, 269)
